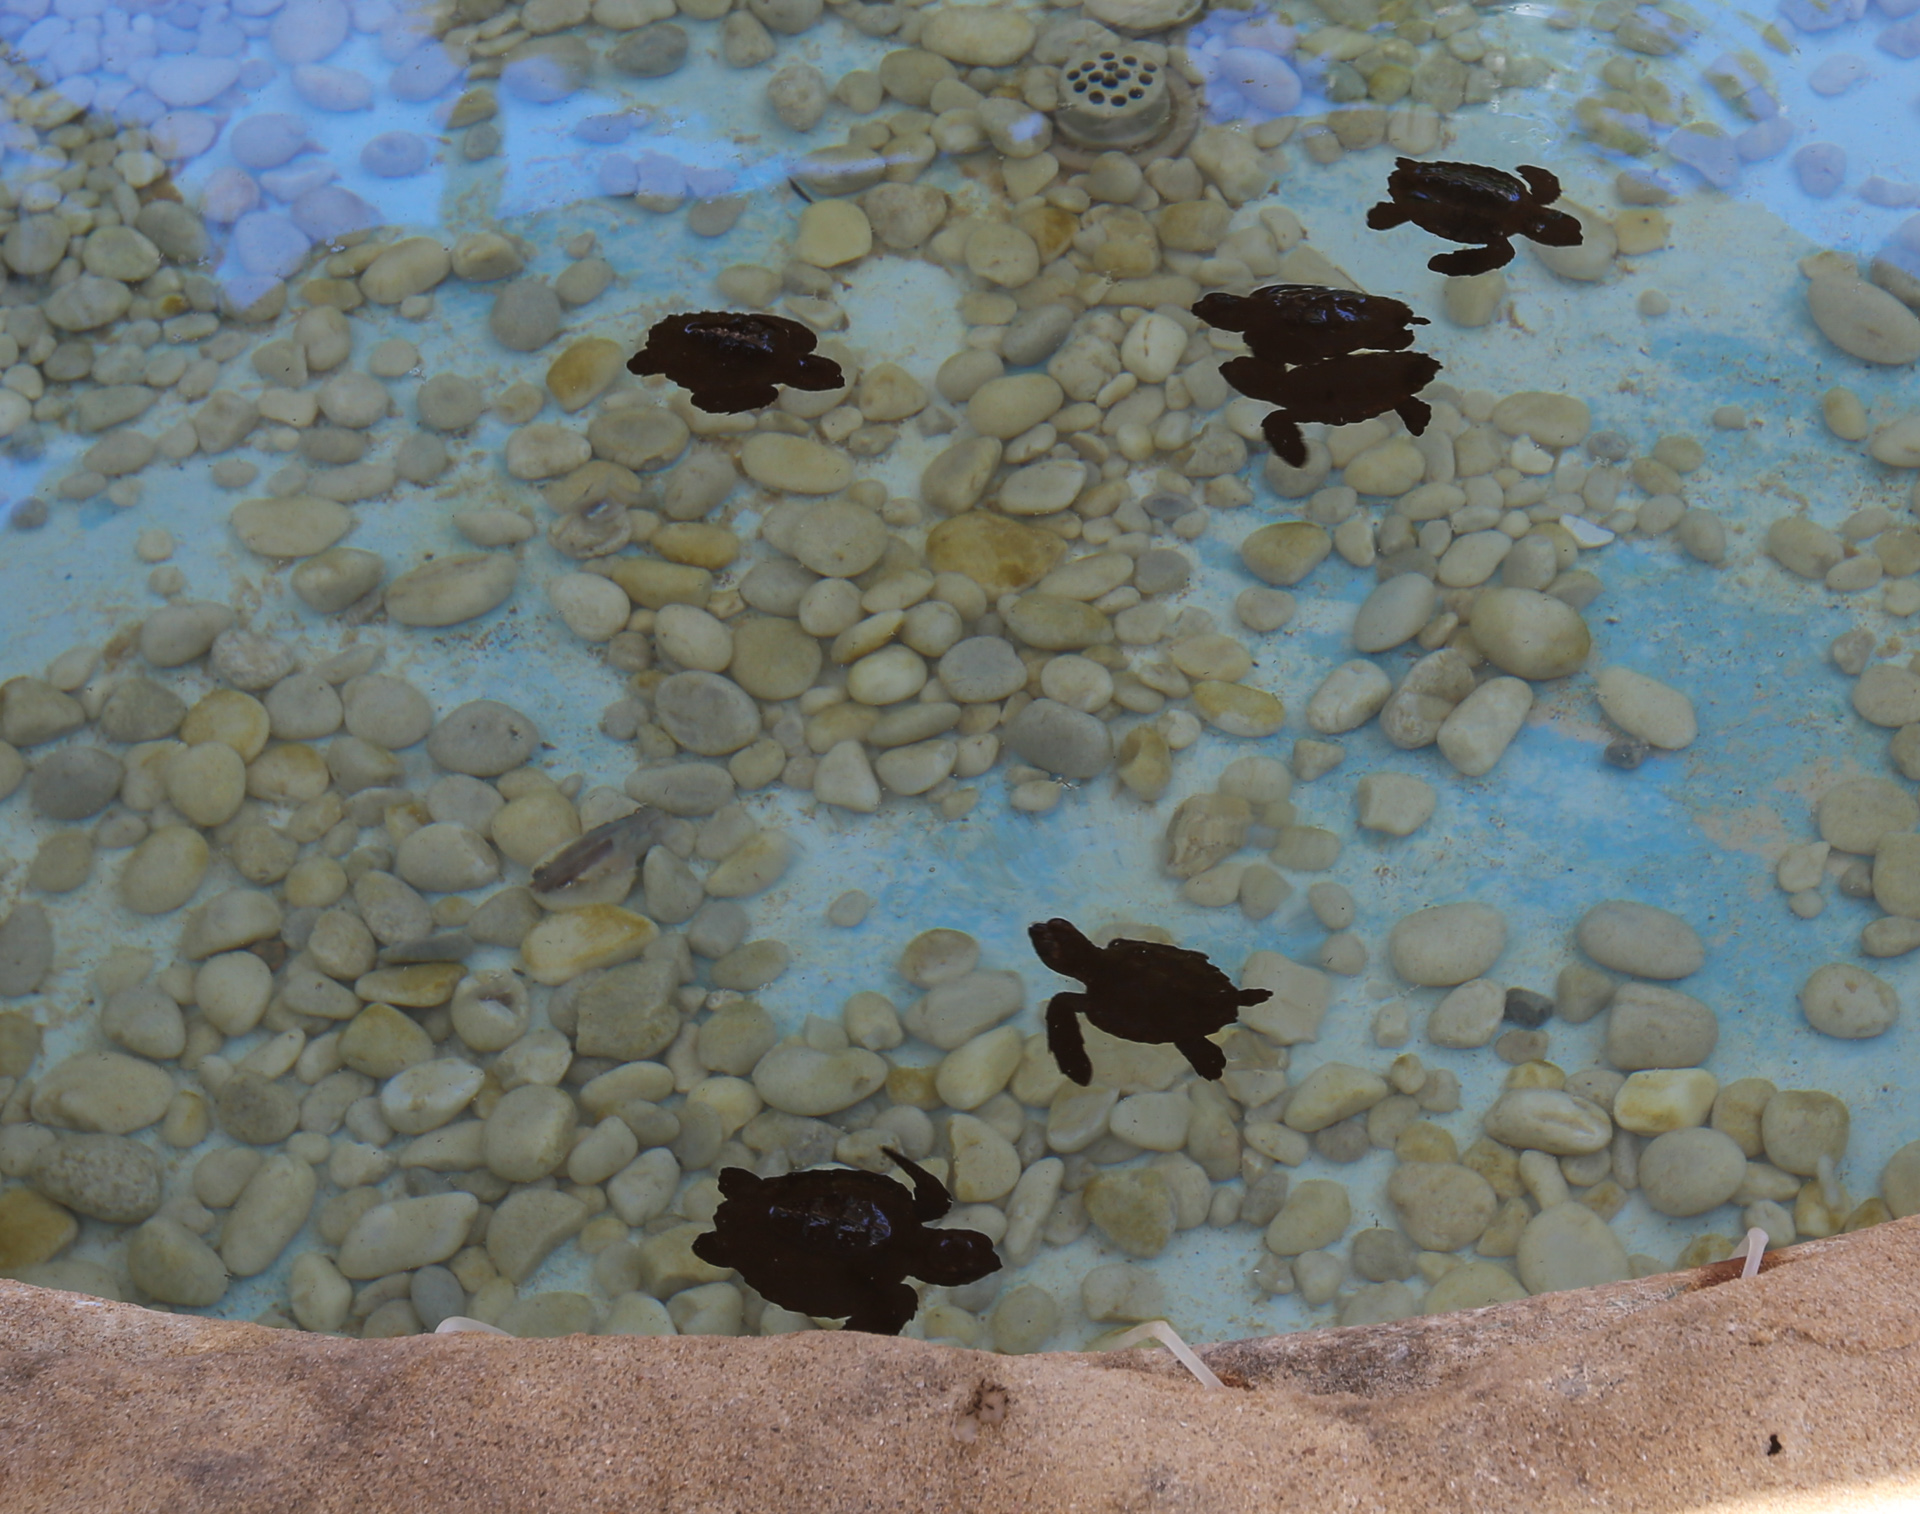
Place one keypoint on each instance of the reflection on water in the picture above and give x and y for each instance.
(1536, 739)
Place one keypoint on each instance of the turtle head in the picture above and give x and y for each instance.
(955, 1257)
(1554, 228)
(1061, 945)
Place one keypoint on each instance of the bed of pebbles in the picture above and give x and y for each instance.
(374, 1045)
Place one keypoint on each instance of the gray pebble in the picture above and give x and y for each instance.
(177, 231)
(1821, 168)
(249, 660)
(303, 707)
(1061, 740)
(850, 909)
(388, 711)
(1161, 570)
(1626, 752)
(716, 928)
(176, 634)
(421, 459)
(1035, 335)
(584, 280)
(255, 1110)
(267, 140)
(330, 212)
(483, 739)
(651, 51)
(436, 1295)
(682, 788)
(75, 782)
(450, 402)
(29, 514)
(1379, 1255)
(980, 669)
(525, 316)
(547, 69)
(107, 1177)
(505, 918)
(706, 713)
(395, 154)
(1527, 1009)
(26, 950)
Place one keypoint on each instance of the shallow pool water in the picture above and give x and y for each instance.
(1702, 330)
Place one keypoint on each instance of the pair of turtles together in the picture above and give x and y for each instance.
(1347, 349)
(840, 1242)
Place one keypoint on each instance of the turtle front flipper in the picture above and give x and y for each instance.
(1066, 1040)
(1208, 1059)
(885, 1310)
(930, 1196)
(1471, 260)
(1285, 439)
(1545, 186)
(1248, 997)
(1387, 215)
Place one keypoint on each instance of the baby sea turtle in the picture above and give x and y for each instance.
(1338, 390)
(1297, 323)
(838, 1242)
(734, 360)
(1140, 991)
(1466, 202)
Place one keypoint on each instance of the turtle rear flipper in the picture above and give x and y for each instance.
(1208, 1059)
(1415, 412)
(885, 1310)
(930, 1196)
(1066, 1040)
(1285, 439)
(735, 398)
(1387, 215)
(1471, 260)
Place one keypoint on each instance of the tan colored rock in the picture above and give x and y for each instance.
(140, 1402)
(1000, 555)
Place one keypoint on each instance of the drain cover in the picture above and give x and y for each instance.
(1112, 98)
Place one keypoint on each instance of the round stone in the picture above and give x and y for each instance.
(1447, 944)
(1285, 552)
(1060, 740)
(483, 739)
(706, 713)
(1849, 1002)
(1569, 1246)
(1442, 1206)
(1640, 940)
(1529, 634)
(1687, 1172)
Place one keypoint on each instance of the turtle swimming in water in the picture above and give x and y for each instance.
(1299, 323)
(1466, 202)
(839, 1242)
(1338, 390)
(1140, 991)
(735, 360)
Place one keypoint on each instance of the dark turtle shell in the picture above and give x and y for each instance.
(1479, 201)
(1295, 323)
(1337, 390)
(734, 360)
(842, 1212)
(1191, 995)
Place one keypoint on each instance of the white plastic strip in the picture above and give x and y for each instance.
(455, 1324)
(1160, 1330)
(1755, 1244)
